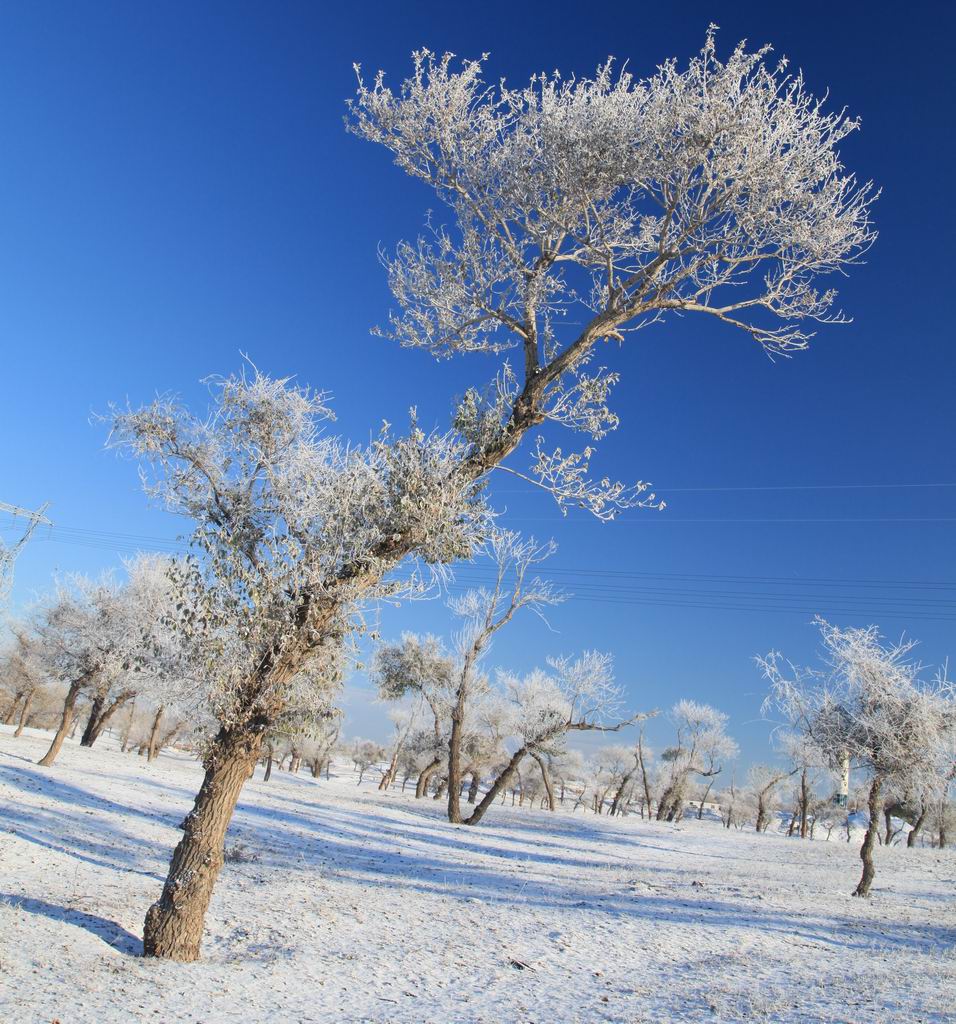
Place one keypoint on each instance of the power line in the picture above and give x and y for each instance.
(664, 489)
(663, 520)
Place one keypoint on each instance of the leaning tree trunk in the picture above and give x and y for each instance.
(763, 818)
(92, 731)
(497, 786)
(152, 752)
(24, 713)
(619, 794)
(12, 710)
(703, 800)
(174, 924)
(100, 715)
(66, 720)
(389, 777)
(917, 826)
(425, 777)
(546, 779)
(869, 840)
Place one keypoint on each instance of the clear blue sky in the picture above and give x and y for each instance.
(176, 187)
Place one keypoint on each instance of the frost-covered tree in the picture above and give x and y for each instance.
(764, 780)
(421, 670)
(23, 677)
(97, 637)
(716, 189)
(485, 611)
(582, 209)
(805, 759)
(294, 532)
(364, 754)
(542, 708)
(702, 749)
(869, 704)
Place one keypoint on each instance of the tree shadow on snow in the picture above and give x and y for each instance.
(109, 931)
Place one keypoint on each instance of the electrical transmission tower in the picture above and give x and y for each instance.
(9, 552)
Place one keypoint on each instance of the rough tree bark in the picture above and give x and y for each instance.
(869, 840)
(174, 924)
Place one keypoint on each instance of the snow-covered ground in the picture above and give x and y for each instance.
(367, 907)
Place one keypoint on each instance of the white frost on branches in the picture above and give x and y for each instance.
(585, 208)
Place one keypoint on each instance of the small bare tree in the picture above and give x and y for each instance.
(870, 705)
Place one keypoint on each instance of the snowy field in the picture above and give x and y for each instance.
(363, 907)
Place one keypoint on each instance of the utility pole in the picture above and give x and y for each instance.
(8, 553)
(843, 794)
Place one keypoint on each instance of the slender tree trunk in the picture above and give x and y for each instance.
(703, 800)
(128, 728)
(497, 786)
(12, 710)
(154, 734)
(66, 720)
(473, 788)
(644, 779)
(268, 774)
(917, 825)
(174, 924)
(389, 777)
(869, 840)
(454, 762)
(619, 795)
(804, 802)
(24, 713)
(546, 779)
